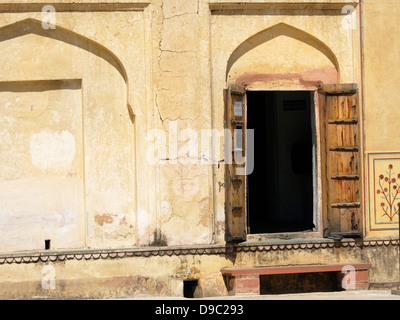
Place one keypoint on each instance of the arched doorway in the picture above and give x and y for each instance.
(275, 76)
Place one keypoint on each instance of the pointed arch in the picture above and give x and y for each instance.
(33, 26)
(280, 29)
(30, 25)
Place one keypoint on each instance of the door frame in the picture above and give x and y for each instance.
(317, 178)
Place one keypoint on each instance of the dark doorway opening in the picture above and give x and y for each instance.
(300, 283)
(189, 288)
(280, 190)
(47, 244)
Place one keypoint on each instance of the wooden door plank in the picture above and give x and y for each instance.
(341, 153)
(235, 184)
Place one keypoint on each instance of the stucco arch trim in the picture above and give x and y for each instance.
(281, 29)
(33, 26)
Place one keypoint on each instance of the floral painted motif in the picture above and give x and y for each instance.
(389, 192)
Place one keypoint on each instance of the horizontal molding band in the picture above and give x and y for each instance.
(216, 5)
(73, 7)
(182, 251)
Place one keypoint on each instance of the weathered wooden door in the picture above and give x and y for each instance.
(235, 163)
(341, 180)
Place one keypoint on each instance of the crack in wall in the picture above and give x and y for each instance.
(169, 69)
(178, 66)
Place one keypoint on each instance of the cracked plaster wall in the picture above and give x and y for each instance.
(182, 102)
(282, 48)
(175, 56)
(192, 48)
(68, 168)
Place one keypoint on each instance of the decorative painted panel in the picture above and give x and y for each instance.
(383, 194)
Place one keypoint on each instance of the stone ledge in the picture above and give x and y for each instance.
(94, 254)
(235, 272)
(279, 4)
(79, 6)
(247, 280)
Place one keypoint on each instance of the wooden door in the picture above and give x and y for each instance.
(235, 164)
(341, 157)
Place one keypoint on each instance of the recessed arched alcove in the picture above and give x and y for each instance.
(281, 68)
(282, 53)
(67, 157)
(32, 26)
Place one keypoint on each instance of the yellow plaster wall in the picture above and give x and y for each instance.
(279, 47)
(381, 65)
(164, 275)
(159, 69)
(381, 112)
(161, 65)
(69, 155)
